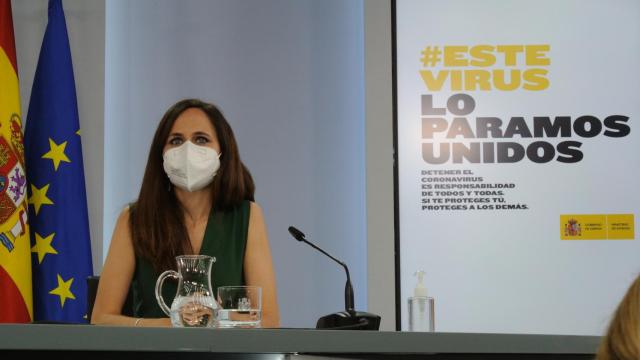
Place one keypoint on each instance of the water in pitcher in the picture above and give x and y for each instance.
(194, 304)
(194, 311)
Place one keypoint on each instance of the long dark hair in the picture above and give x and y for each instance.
(156, 219)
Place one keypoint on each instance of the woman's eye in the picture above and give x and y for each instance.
(176, 141)
(201, 140)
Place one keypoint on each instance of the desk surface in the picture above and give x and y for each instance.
(282, 341)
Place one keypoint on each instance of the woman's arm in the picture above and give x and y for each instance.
(258, 267)
(115, 280)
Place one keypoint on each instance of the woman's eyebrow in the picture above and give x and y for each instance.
(201, 133)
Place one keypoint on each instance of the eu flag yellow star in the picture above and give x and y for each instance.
(39, 197)
(56, 153)
(63, 290)
(43, 246)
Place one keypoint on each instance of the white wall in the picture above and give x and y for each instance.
(289, 77)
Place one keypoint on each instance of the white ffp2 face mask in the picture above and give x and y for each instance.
(191, 167)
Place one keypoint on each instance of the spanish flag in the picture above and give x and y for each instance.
(15, 249)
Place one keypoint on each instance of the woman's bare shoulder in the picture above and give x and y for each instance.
(254, 207)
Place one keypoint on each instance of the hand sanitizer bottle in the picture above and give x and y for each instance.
(421, 307)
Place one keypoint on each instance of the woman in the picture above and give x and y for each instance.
(622, 341)
(196, 198)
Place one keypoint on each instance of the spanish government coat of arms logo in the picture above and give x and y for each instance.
(572, 228)
(13, 183)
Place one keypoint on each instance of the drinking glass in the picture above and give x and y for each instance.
(239, 307)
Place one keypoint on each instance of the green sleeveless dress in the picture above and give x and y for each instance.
(225, 239)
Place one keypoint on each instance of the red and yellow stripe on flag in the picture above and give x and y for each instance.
(15, 251)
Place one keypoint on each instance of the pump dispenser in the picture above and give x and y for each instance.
(421, 307)
(420, 289)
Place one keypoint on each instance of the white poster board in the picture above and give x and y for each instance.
(518, 161)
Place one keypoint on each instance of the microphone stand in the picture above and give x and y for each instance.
(350, 319)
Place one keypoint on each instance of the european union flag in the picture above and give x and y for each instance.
(61, 249)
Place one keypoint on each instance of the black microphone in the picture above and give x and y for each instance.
(350, 319)
(348, 289)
